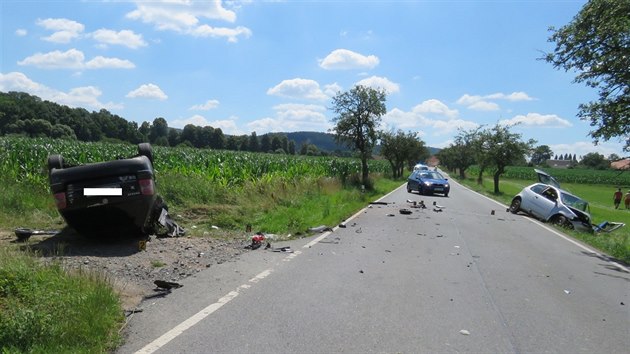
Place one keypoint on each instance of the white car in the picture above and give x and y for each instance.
(420, 167)
(548, 202)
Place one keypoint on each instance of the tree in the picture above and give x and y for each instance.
(254, 145)
(595, 160)
(503, 148)
(400, 148)
(265, 143)
(359, 114)
(459, 156)
(541, 154)
(158, 129)
(596, 44)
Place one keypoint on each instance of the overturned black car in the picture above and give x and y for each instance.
(107, 198)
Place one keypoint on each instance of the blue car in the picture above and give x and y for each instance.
(428, 182)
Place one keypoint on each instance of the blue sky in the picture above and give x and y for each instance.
(273, 66)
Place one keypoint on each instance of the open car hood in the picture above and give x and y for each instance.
(545, 178)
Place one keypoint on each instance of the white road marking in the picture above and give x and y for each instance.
(196, 318)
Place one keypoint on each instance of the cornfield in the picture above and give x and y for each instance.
(582, 176)
(24, 160)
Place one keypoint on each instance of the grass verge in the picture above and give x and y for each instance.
(615, 244)
(46, 309)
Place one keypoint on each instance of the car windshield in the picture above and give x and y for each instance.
(574, 202)
(431, 175)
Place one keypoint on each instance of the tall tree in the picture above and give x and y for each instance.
(359, 114)
(596, 45)
(504, 148)
(541, 154)
(400, 147)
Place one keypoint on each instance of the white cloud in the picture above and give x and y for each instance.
(293, 117)
(64, 30)
(299, 89)
(228, 126)
(70, 59)
(431, 117)
(343, 59)
(484, 106)
(208, 105)
(231, 34)
(109, 63)
(151, 91)
(484, 103)
(125, 38)
(86, 97)
(73, 59)
(538, 120)
(185, 16)
(21, 32)
(377, 82)
(331, 90)
(436, 107)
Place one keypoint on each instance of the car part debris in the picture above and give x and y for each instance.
(321, 228)
(257, 241)
(405, 211)
(607, 226)
(379, 203)
(23, 234)
(437, 210)
(167, 285)
(435, 204)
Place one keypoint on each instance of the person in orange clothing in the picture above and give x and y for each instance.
(617, 198)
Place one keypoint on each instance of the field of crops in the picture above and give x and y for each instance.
(583, 176)
(24, 159)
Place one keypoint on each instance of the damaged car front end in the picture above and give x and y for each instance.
(548, 202)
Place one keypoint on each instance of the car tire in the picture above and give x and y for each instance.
(409, 190)
(515, 206)
(144, 149)
(55, 161)
(562, 221)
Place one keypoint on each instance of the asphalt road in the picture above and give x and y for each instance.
(470, 278)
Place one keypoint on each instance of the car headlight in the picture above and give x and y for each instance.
(446, 185)
(428, 184)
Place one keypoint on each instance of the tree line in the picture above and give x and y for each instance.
(28, 115)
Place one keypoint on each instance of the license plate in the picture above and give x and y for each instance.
(438, 189)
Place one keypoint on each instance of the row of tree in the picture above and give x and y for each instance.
(28, 115)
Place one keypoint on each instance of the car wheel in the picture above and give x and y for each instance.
(445, 195)
(409, 190)
(144, 149)
(515, 206)
(55, 161)
(562, 221)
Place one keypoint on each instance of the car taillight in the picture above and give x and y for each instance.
(146, 186)
(60, 200)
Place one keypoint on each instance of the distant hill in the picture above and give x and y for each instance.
(323, 141)
(326, 141)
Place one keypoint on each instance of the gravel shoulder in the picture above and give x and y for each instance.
(131, 268)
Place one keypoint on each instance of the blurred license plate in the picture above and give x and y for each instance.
(438, 189)
(102, 192)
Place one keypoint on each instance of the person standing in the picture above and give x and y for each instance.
(617, 198)
(627, 200)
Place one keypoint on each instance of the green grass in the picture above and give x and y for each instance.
(45, 309)
(600, 198)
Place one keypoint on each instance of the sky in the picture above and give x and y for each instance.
(273, 66)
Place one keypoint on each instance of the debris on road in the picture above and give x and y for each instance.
(464, 332)
(320, 229)
(379, 203)
(405, 211)
(257, 241)
(167, 285)
(23, 234)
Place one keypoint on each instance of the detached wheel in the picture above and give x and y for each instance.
(562, 221)
(55, 161)
(144, 149)
(515, 206)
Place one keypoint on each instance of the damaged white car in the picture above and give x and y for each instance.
(548, 202)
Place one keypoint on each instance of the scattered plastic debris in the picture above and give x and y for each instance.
(405, 211)
(321, 228)
(167, 285)
(464, 332)
(567, 292)
(23, 234)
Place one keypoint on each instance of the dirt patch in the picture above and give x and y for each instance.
(132, 265)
